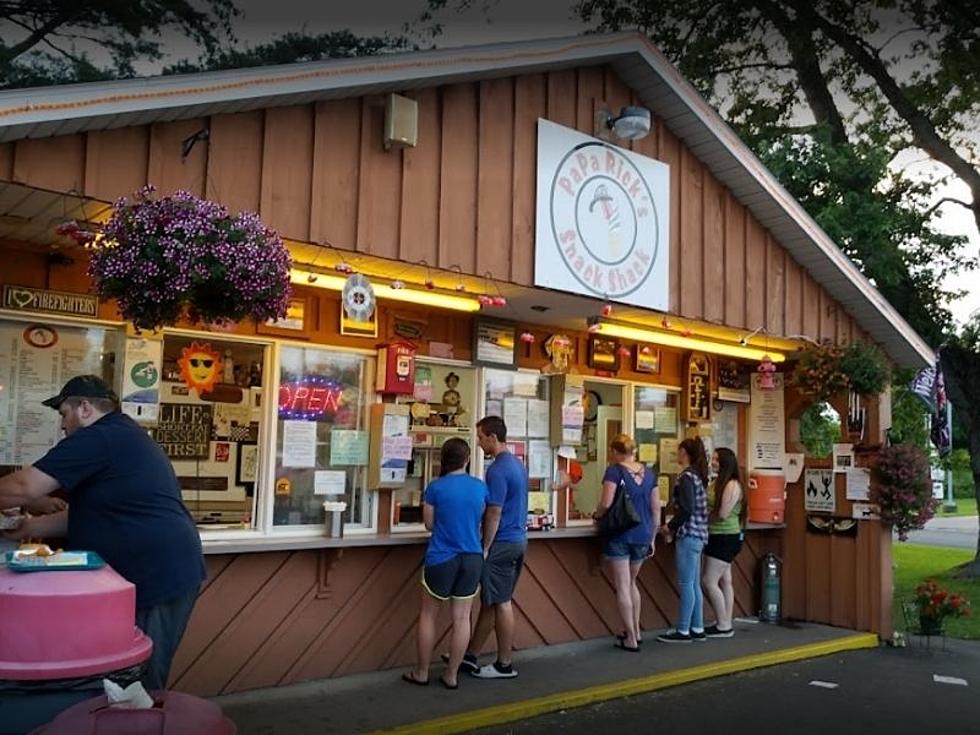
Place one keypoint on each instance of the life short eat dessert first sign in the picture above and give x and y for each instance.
(602, 220)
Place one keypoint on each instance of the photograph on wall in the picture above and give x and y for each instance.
(495, 343)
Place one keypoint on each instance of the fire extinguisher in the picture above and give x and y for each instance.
(770, 608)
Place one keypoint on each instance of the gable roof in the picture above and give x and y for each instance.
(67, 109)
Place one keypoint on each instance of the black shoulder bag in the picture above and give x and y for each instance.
(621, 515)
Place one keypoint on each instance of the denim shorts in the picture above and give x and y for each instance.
(615, 549)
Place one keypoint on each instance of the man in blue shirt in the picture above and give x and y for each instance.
(504, 545)
(125, 504)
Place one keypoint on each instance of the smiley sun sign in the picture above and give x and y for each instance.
(200, 367)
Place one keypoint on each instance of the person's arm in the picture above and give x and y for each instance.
(24, 487)
(728, 500)
(428, 515)
(50, 526)
(491, 522)
(684, 502)
(606, 498)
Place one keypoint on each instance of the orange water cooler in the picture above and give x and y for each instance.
(767, 496)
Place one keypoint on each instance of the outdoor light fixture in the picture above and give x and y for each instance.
(396, 291)
(638, 334)
(632, 123)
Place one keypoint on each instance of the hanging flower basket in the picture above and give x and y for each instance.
(903, 488)
(818, 372)
(178, 256)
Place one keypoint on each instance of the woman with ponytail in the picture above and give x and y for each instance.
(725, 524)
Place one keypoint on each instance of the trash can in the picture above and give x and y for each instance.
(62, 633)
(173, 713)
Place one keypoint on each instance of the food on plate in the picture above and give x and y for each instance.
(34, 550)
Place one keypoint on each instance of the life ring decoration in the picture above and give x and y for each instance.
(358, 298)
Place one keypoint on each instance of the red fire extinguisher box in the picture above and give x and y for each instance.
(396, 368)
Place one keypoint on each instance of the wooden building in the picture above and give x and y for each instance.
(737, 269)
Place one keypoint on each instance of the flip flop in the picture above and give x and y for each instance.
(447, 684)
(410, 678)
(621, 645)
(621, 637)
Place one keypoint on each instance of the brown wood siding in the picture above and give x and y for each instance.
(268, 619)
(464, 197)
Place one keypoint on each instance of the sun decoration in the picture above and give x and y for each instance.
(200, 367)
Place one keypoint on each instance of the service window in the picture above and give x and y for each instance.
(656, 431)
(210, 424)
(522, 400)
(322, 436)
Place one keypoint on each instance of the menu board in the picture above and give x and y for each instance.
(36, 360)
(767, 425)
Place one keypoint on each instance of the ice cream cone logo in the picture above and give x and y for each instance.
(604, 205)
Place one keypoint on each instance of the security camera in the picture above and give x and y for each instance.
(633, 123)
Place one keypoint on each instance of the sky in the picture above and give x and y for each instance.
(506, 20)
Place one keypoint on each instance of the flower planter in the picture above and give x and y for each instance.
(930, 626)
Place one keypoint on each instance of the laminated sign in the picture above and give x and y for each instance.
(602, 219)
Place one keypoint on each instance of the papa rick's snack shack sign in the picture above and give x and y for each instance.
(602, 220)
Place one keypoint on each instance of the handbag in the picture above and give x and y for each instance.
(621, 515)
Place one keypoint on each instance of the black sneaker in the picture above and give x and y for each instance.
(713, 631)
(700, 636)
(674, 637)
(468, 665)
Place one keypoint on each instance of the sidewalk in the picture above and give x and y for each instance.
(552, 678)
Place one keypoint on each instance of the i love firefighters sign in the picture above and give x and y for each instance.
(602, 220)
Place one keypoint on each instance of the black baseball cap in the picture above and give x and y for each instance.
(82, 386)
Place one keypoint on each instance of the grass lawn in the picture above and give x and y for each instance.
(964, 507)
(915, 564)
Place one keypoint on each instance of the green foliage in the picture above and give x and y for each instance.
(820, 428)
(914, 564)
(910, 417)
(866, 368)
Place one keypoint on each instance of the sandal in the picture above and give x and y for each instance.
(410, 678)
(622, 638)
(621, 644)
(447, 684)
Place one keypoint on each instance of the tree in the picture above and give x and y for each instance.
(40, 40)
(293, 48)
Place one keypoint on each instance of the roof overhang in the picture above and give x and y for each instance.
(62, 110)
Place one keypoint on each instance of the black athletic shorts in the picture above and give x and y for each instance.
(723, 546)
(502, 570)
(458, 578)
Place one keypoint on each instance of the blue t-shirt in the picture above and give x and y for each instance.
(507, 480)
(124, 503)
(639, 495)
(459, 501)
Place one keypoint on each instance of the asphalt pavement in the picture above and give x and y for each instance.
(884, 690)
(958, 532)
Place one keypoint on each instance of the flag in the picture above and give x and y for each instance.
(923, 387)
(942, 419)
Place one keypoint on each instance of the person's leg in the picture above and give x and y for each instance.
(460, 637)
(697, 614)
(164, 624)
(686, 582)
(619, 572)
(484, 626)
(426, 637)
(728, 593)
(635, 594)
(504, 626)
(713, 571)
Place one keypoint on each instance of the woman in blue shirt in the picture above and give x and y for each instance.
(453, 512)
(625, 553)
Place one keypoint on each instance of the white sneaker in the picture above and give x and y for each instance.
(495, 671)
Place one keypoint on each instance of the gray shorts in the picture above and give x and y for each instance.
(501, 571)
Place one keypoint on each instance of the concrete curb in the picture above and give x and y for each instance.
(514, 711)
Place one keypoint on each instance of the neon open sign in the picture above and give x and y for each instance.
(309, 398)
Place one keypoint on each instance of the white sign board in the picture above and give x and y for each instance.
(602, 220)
(767, 425)
(819, 491)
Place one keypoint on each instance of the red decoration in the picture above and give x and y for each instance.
(593, 328)
(343, 267)
(624, 351)
(767, 372)
(665, 323)
(485, 300)
(527, 338)
(607, 310)
(429, 284)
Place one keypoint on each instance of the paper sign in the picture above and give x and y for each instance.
(648, 453)
(495, 407)
(668, 456)
(539, 459)
(348, 447)
(644, 419)
(396, 447)
(525, 384)
(858, 483)
(572, 416)
(843, 457)
(538, 418)
(665, 420)
(865, 512)
(298, 443)
(329, 482)
(767, 425)
(793, 467)
(571, 435)
(395, 424)
(663, 489)
(515, 416)
(818, 491)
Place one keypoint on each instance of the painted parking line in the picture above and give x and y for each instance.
(954, 680)
(522, 710)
